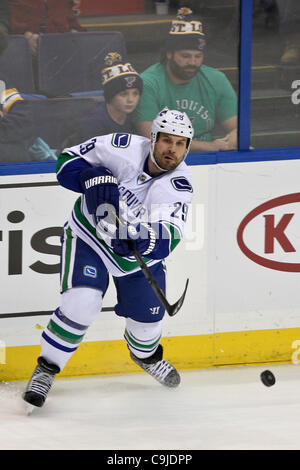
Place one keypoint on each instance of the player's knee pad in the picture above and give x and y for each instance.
(142, 338)
(81, 304)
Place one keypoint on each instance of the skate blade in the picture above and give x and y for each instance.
(28, 408)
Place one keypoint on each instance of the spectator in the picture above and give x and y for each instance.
(16, 127)
(122, 87)
(32, 17)
(5, 23)
(18, 139)
(182, 81)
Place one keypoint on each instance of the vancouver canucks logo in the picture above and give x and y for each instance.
(121, 140)
(180, 183)
(90, 271)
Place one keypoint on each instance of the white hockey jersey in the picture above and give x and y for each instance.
(163, 199)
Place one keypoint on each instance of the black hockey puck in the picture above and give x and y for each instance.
(267, 378)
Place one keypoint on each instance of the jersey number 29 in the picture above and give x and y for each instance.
(86, 147)
(181, 210)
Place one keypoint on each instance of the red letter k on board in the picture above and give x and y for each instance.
(273, 232)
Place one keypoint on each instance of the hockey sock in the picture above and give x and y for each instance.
(142, 338)
(69, 323)
(61, 338)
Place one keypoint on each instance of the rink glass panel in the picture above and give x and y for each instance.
(60, 89)
(275, 78)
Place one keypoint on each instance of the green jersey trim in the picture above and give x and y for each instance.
(66, 269)
(175, 236)
(63, 159)
(124, 264)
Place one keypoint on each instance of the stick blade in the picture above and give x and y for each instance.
(173, 309)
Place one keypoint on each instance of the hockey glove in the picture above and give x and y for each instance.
(141, 237)
(99, 187)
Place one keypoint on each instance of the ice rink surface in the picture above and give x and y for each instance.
(224, 408)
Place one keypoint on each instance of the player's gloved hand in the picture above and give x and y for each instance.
(99, 186)
(142, 237)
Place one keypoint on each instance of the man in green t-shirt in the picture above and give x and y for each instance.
(181, 81)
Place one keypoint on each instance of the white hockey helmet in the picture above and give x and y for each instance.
(171, 122)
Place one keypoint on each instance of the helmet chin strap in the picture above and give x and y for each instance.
(153, 158)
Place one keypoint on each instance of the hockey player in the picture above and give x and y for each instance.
(147, 184)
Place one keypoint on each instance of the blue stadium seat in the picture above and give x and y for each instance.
(16, 65)
(72, 62)
(55, 119)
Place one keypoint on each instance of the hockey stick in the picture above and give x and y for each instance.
(171, 309)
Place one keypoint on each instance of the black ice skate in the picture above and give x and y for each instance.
(161, 370)
(40, 383)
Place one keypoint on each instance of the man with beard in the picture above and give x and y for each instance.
(181, 81)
